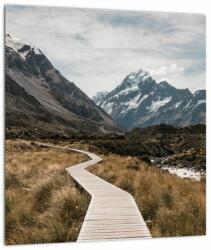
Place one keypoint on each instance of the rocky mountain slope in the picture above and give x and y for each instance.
(140, 101)
(38, 97)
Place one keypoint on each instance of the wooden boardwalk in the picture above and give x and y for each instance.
(112, 213)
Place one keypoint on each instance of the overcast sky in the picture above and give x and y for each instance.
(96, 49)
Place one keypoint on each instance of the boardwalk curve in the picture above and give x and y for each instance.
(112, 213)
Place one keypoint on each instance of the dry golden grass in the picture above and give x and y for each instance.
(43, 203)
(170, 205)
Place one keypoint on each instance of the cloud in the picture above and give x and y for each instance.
(167, 70)
(97, 48)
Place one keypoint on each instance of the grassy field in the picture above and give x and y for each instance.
(43, 203)
(171, 206)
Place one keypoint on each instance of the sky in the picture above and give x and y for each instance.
(96, 49)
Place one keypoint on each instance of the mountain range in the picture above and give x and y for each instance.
(38, 97)
(140, 101)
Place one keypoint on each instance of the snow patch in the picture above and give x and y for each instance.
(157, 104)
(188, 104)
(12, 41)
(142, 99)
(177, 104)
(128, 90)
(141, 75)
(200, 102)
(108, 107)
(23, 54)
(37, 51)
(16, 45)
(145, 77)
(134, 103)
(132, 76)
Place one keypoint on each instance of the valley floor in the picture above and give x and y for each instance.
(44, 204)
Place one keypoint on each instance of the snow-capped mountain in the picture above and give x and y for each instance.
(140, 101)
(38, 96)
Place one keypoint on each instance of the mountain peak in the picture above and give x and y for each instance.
(138, 76)
(141, 71)
(13, 42)
(165, 84)
(20, 47)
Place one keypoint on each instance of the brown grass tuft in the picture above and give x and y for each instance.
(43, 203)
(171, 206)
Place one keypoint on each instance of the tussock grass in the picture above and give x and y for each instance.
(171, 206)
(43, 203)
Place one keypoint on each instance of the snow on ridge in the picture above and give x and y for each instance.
(188, 104)
(157, 104)
(144, 78)
(13, 43)
(108, 107)
(132, 76)
(177, 104)
(128, 90)
(134, 103)
(200, 102)
(140, 75)
(142, 99)
(36, 50)
(17, 45)
(24, 54)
